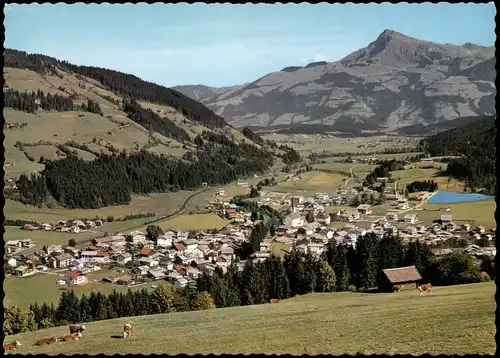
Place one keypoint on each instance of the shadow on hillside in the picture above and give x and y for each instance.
(116, 336)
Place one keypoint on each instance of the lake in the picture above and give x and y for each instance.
(447, 197)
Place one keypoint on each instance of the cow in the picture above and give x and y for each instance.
(46, 341)
(398, 288)
(127, 329)
(426, 287)
(77, 328)
(274, 300)
(71, 337)
(11, 346)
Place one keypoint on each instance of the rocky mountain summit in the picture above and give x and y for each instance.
(394, 82)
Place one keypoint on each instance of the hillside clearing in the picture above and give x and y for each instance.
(193, 222)
(331, 323)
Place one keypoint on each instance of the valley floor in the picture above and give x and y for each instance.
(454, 320)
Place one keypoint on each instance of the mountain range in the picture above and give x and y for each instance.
(394, 82)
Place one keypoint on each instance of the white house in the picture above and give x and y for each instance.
(365, 209)
(410, 218)
(315, 249)
(165, 241)
(294, 220)
(75, 278)
(12, 262)
(181, 281)
(146, 261)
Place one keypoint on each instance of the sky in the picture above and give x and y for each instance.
(224, 44)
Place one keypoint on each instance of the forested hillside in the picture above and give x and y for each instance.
(213, 156)
(476, 143)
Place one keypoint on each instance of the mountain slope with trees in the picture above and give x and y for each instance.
(213, 154)
(475, 143)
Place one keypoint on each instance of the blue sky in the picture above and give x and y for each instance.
(224, 44)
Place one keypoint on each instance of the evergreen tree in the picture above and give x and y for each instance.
(367, 261)
(68, 309)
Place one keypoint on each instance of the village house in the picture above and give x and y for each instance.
(445, 208)
(165, 240)
(75, 278)
(12, 246)
(391, 216)
(294, 220)
(259, 256)
(180, 248)
(73, 251)
(60, 261)
(193, 272)
(446, 219)
(365, 209)
(403, 204)
(54, 249)
(323, 218)
(410, 218)
(266, 246)
(315, 249)
(146, 252)
(12, 262)
(481, 229)
(222, 261)
(466, 227)
(156, 274)
(23, 271)
(122, 259)
(88, 256)
(181, 281)
(146, 261)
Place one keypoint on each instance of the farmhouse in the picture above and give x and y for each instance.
(122, 259)
(408, 277)
(22, 271)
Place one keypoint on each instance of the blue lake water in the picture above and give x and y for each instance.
(447, 197)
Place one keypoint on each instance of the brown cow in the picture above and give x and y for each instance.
(127, 329)
(11, 346)
(71, 337)
(46, 341)
(398, 288)
(77, 328)
(274, 300)
(426, 287)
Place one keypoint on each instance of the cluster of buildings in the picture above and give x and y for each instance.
(73, 226)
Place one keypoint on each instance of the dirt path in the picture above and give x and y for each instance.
(351, 175)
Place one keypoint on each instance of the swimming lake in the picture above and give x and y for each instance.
(447, 197)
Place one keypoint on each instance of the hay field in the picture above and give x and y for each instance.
(161, 204)
(193, 222)
(458, 320)
(477, 213)
(313, 182)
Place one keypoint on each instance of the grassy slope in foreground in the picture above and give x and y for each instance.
(454, 320)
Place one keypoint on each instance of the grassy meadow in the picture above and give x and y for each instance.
(42, 287)
(454, 320)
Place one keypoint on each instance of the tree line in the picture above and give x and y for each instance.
(340, 268)
(426, 185)
(110, 180)
(31, 101)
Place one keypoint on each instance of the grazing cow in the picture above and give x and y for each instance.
(274, 300)
(46, 341)
(11, 346)
(398, 288)
(426, 287)
(127, 329)
(77, 328)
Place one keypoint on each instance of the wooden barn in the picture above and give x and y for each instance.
(407, 277)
